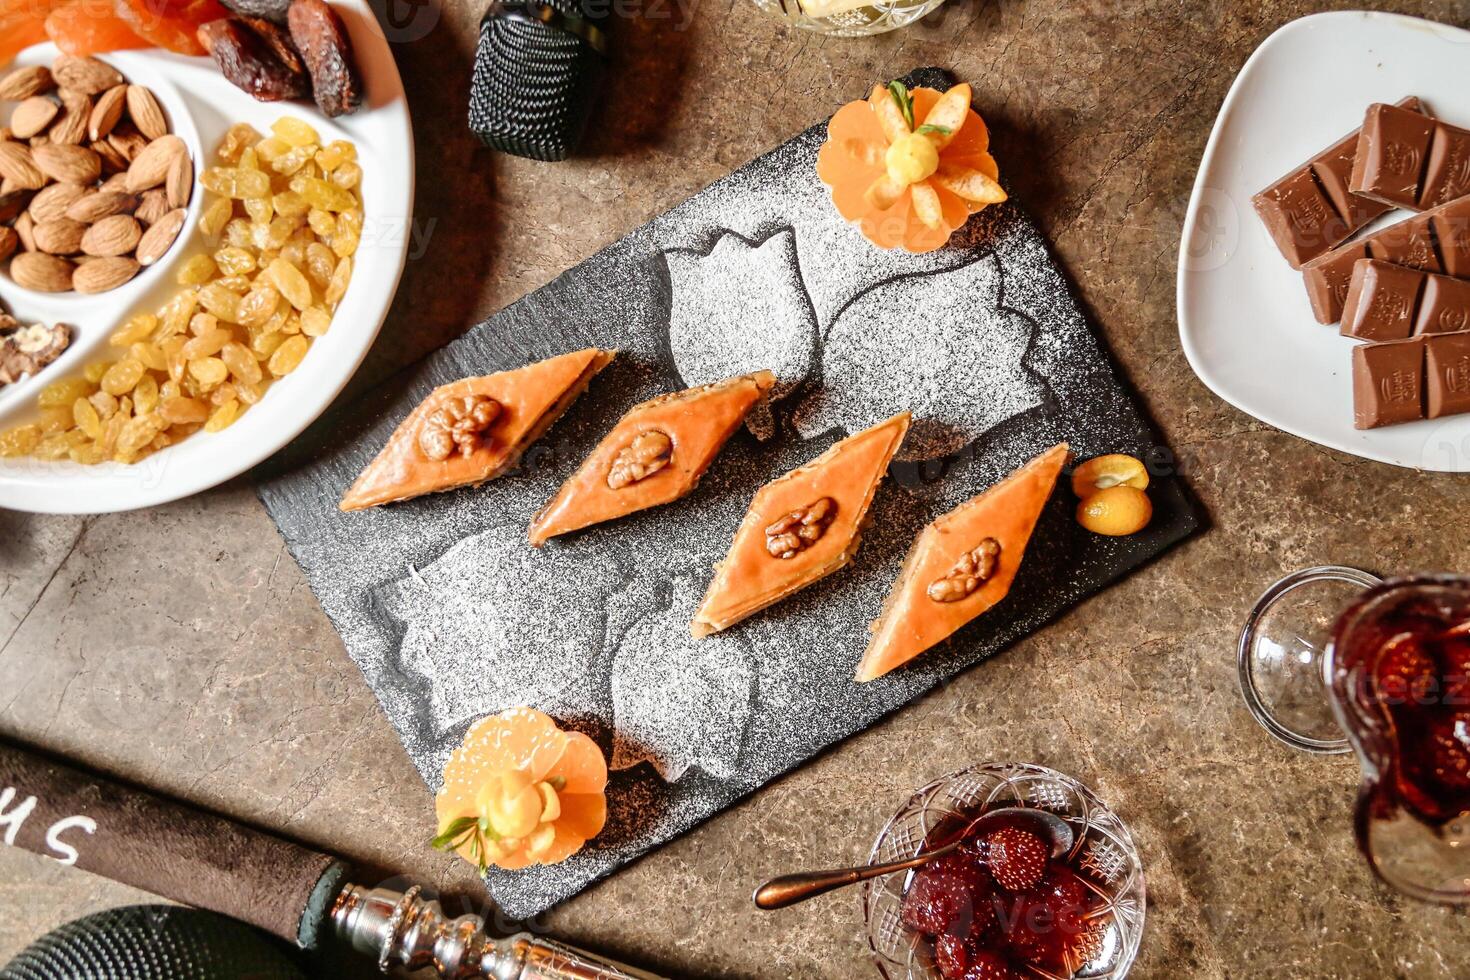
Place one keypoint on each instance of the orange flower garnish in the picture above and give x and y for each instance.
(520, 791)
(909, 167)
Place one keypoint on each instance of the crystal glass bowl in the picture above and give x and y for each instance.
(1104, 856)
(878, 17)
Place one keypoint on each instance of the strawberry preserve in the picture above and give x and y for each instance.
(1399, 675)
(1000, 907)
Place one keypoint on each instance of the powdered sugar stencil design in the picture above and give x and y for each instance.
(451, 615)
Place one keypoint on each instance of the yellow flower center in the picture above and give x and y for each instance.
(520, 811)
(912, 158)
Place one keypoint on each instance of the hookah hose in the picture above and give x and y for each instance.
(303, 896)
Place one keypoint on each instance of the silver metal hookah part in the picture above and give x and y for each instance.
(408, 930)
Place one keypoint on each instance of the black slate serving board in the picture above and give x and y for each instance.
(452, 616)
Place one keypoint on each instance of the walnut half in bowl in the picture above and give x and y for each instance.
(27, 348)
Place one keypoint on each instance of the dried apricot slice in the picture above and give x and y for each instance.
(171, 24)
(18, 32)
(85, 27)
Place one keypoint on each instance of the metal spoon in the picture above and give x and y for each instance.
(790, 889)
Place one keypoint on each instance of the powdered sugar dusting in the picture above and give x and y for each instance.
(938, 345)
(677, 701)
(592, 629)
(717, 296)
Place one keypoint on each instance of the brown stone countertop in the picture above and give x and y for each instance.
(180, 646)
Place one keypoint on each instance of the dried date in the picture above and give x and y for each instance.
(250, 62)
(271, 10)
(322, 39)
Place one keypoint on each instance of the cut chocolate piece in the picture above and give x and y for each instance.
(1448, 175)
(1393, 146)
(800, 527)
(1310, 210)
(1452, 230)
(1334, 169)
(654, 455)
(1445, 306)
(1447, 374)
(473, 430)
(1411, 243)
(1328, 278)
(1381, 301)
(1299, 217)
(1388, 383)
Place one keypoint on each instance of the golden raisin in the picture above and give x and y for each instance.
(288, 356)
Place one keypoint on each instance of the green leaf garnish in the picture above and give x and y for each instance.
(900, 93)
(930, 128)
(467, 830)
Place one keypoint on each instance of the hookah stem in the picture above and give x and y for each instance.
(212, 862)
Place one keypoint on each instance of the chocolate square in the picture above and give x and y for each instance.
(1409, 243)
(1299, 217)
(1445, 306)
(1392, 148)
(1334, 170)
(1448, 173)
(1380, 301)
(1447, 374)
(1388, 383)
(1328, 277)
(1452, 229)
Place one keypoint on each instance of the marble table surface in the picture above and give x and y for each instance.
(180, 646)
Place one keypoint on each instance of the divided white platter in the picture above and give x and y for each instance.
(201, 106)
(1244, 319)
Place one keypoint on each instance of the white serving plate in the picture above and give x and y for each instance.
(201, 106)
(1244, 318)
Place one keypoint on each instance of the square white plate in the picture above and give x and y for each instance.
(1244, 319)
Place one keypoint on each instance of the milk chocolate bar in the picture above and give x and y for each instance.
(1312, 208)
(1407, 380)
(1435, 241)
(1390, 302)
(1409, 160)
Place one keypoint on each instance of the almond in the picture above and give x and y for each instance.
(128, 141)
(71, 126)
(151, 167)
(32, 116)
(60, 237)
(152, 206)
(12, 203)
(146, 113)
(36, 141)
(68, 164)
(23, 226)
(106, 112)
(52, 202)
(157, 240)
(101, 204)
(180, 182)
(9, 242)
(86, 75)
(18, 166)
(112, 160)
(41, 272)
(26, 82)
(117, 182)
(101, 274)
(116, 234)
